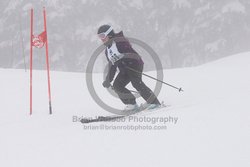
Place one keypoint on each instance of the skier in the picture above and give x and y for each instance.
(120, 53)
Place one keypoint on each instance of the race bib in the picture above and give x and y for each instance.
(113, 53)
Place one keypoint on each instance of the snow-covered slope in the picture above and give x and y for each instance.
(212, 129)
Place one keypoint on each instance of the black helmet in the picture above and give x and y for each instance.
(105, 30)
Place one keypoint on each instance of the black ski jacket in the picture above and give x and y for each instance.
(129, 55)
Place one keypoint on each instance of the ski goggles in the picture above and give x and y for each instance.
(103, 35)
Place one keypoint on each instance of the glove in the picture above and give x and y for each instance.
(106, 84)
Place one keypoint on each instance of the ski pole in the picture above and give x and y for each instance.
(180, 89)
(128, 89)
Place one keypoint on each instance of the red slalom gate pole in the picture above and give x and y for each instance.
(47, 60)
(31, 56)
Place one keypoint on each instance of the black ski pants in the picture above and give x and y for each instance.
(127, 75)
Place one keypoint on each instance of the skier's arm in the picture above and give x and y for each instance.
(111, 72)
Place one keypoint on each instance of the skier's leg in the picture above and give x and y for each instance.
(124, 94)
(146, 93)
(136, 80)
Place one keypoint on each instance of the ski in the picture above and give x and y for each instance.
(102, 119)
(141, 110)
